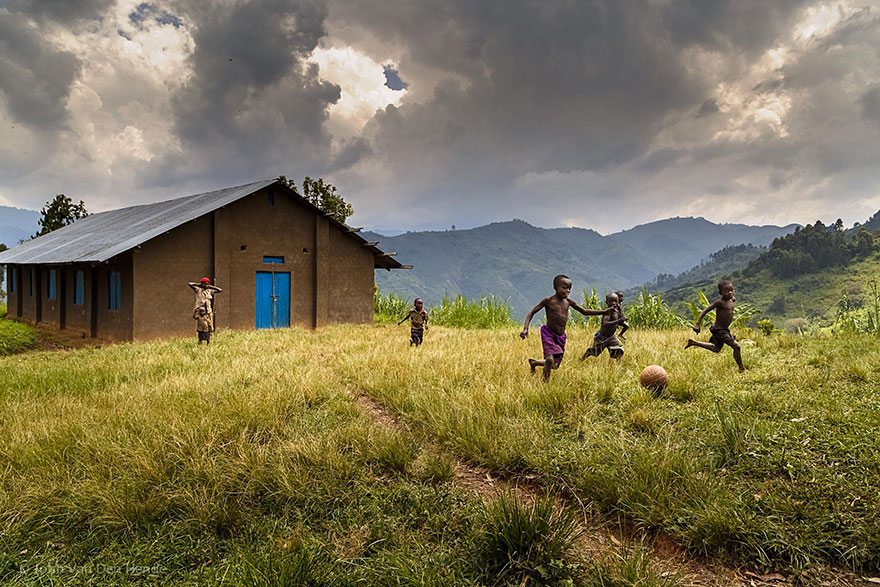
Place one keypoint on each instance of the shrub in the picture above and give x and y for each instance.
(650, 311)
(487, 312)
(15, 338)
(766, 326)
(388, 308)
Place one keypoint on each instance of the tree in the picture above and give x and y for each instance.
(323, 196)
(59, 213)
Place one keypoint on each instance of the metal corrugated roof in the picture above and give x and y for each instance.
(102, 236)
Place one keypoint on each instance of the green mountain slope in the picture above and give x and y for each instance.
(509, 260)
(516, 261)
(723, 262)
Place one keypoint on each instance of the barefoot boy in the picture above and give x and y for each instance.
(418, 321)
(203, 324)
(605, 337)
(721, 329)
(553, 333)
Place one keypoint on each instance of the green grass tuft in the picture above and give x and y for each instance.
(15, 337)
(529, 542)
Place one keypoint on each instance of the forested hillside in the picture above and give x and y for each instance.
(802, 276)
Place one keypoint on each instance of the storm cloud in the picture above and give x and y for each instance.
(600, 114)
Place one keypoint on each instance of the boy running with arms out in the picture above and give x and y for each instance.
(418, 321)
(605, 338)
(553, 332)
(721, 335)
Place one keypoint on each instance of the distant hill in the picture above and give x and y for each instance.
(17, 224)
(724, 262)
(678, 244)
(517, 261)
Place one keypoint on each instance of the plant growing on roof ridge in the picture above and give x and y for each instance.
(321, 195)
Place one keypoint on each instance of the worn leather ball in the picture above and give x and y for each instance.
(654, 377)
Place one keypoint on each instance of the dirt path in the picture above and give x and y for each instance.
(607, 538)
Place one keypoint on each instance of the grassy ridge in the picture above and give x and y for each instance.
(222, 465)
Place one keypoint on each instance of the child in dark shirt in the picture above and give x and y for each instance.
(605, 337)
(418, 320)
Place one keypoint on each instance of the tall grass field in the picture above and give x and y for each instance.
(251, 462)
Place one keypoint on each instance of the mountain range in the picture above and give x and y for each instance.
(517, 261)
(17, 224)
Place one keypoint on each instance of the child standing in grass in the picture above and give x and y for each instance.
(418, 321)
(205, 297)
(721, 335)
(203, 324)
(605, 337)
(624, 326)
(553, 332)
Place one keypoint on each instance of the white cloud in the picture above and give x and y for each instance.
(362, 80)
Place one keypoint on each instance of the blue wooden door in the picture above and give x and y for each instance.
(272, 299)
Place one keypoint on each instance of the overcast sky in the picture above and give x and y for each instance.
(594, 113)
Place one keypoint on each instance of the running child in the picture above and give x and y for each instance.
(605, 338)
(418, 321)
(721, 335)
(553, 332)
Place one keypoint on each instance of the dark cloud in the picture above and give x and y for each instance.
(252, 102)
(533, 87)
(708, 108)
(62, 11)
(539, 110)
(35, 77)
(747, 25)
(349, 154)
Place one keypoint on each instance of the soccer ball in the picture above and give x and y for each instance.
(654, 377)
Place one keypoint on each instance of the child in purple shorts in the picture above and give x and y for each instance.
(553, 333)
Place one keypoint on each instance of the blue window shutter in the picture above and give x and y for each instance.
(115, 293)
(53, 281)
(78, 278)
